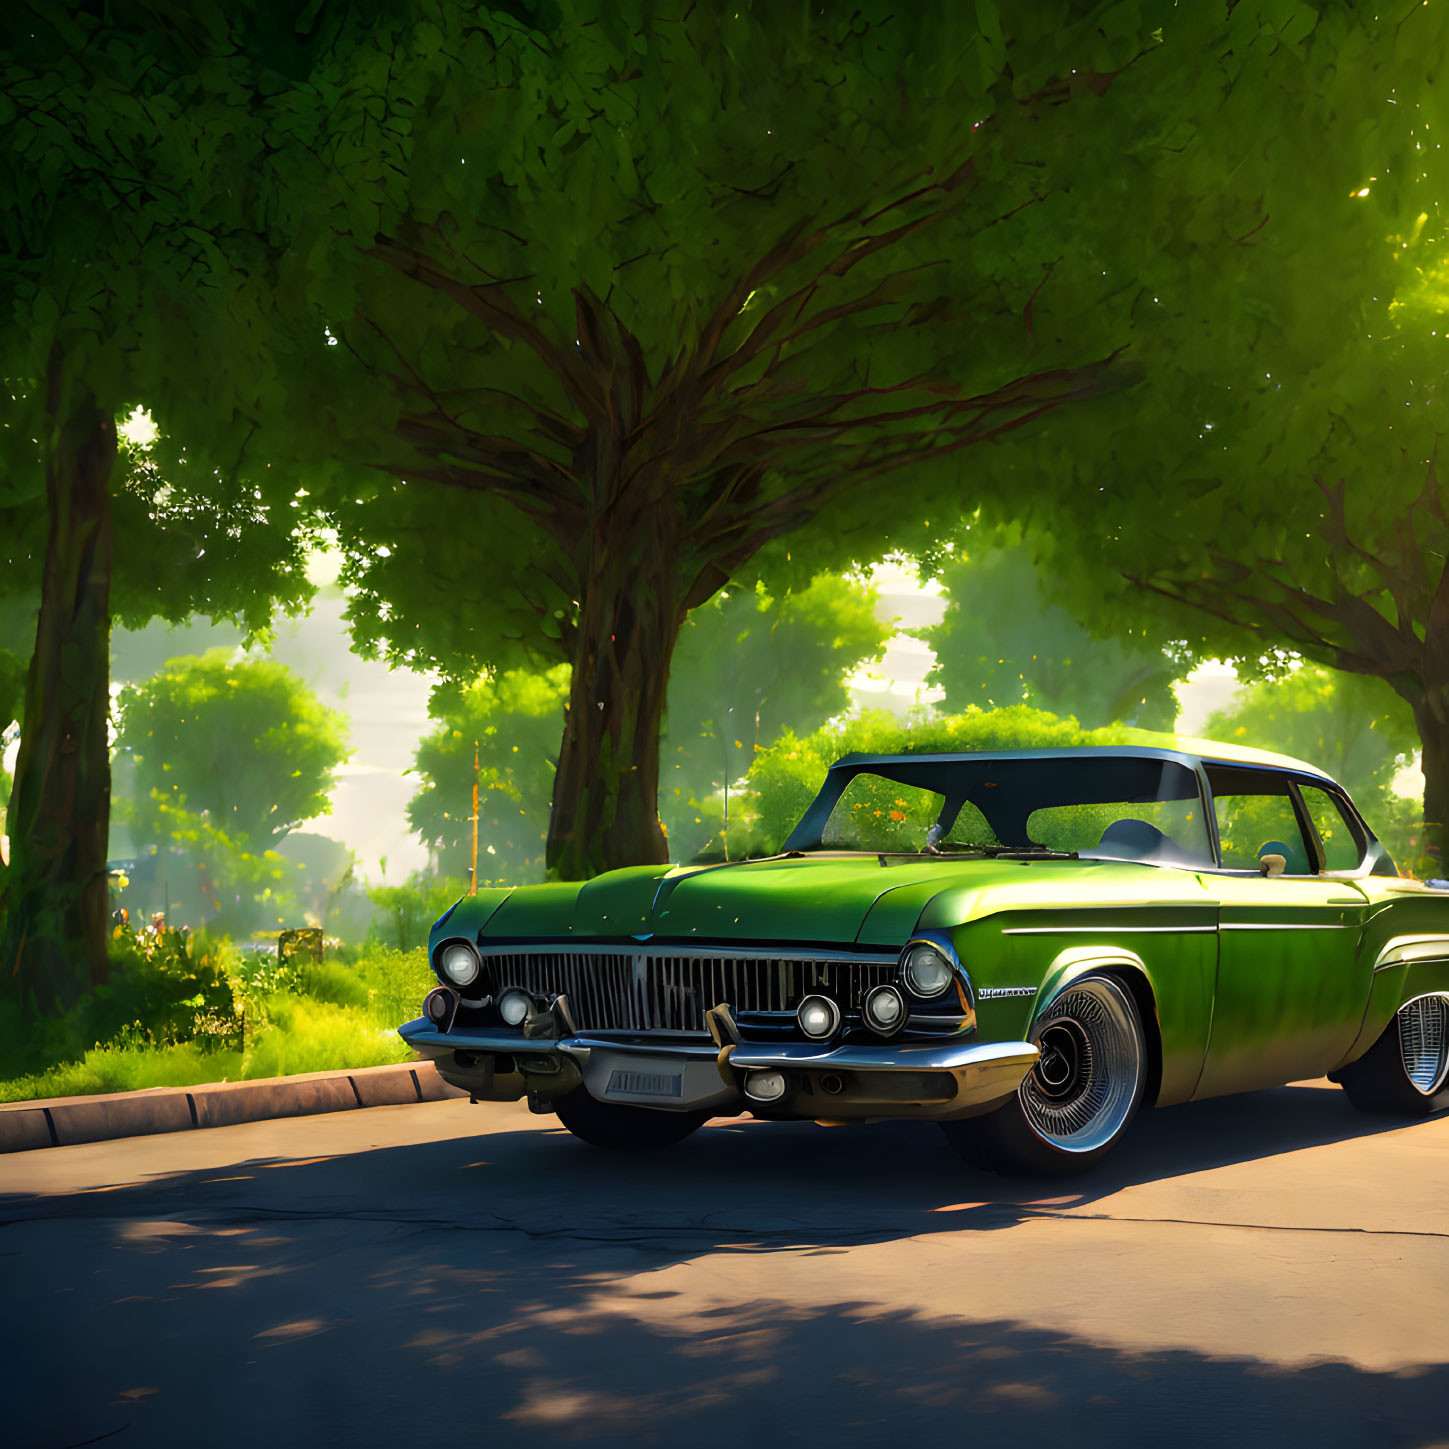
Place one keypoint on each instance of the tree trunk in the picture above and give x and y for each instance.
(56, 906)
(606, 790)
(1431, 715)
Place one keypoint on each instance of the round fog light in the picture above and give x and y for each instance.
(459, 963)
(765, 1086)
(514, 1006)
(818, 1017)
(928, 972)
(438, 1005)
(885, 1010)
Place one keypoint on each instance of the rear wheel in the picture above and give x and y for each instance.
(1405, 1073)
(1076, 1102)
(607, 1124)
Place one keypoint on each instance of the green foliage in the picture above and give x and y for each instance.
(1002, 642)
(412, 907)
(786, 777)
(247, 745)
(191, 870)
(184, 1010)
(748, 665)
(736, 295)
(165, 988)
(135, 267)
(515, 719)
(1274, 475)
(1353, 727)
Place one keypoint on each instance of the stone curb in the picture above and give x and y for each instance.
(66, 1121)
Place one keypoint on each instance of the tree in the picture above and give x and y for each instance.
(125, 145)
(624, 293)
(1276, 476)
(247, 744)
(1351, 725)
(513, 719)
(748, 665)
(1001, 642)
(747, 661)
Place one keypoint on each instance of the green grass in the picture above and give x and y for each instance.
(327, 1017)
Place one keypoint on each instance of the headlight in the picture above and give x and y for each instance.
(460, 963)
(818, 1017)
(927, 971)
(884, 1010)
(514, 1006)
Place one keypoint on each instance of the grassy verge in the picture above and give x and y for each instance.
(204, 1013)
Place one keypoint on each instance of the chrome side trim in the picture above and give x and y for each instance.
(1287, 926)
(1403, 949)
(1114, 930)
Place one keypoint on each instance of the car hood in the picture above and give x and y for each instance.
(813, 899)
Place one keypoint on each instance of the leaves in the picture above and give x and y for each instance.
(246, 744)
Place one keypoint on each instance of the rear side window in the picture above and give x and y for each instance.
(1341, 846)
(1255, 817)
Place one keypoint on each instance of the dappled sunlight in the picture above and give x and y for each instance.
(764, 1274)
(233, 1275)
(292, 1332)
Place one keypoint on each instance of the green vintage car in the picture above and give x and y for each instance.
(1027, 947)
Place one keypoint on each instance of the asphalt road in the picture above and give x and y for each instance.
(1265, 1269)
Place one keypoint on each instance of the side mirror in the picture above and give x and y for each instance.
(1272, 864)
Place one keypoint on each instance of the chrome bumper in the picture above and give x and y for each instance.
(939, 1081)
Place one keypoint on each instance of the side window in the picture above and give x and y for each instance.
(1255, 818)
(1341, 846)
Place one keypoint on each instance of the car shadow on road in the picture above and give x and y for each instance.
(755, 1184)
(518, 1288)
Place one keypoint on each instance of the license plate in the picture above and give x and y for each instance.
(645, 1084)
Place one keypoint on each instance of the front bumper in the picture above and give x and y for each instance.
(935, 1081)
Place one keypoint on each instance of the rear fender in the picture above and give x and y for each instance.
(1407, 968)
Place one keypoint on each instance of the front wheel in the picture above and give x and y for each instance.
(1405, 1073)
(606, 1124)
(1076, 1102)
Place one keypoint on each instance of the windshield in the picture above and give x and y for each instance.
(1111, 807)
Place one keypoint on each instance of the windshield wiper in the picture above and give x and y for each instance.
(1037, 852)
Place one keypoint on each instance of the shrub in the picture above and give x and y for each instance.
(412, 907)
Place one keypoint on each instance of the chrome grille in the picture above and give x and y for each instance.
(1424, 1041)
(654, 991)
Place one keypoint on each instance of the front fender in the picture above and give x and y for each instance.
(1169, 1079)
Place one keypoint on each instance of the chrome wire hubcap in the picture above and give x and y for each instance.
(1424, 1042)
(1085, 1084)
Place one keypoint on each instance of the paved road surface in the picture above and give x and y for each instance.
(1264, 1270)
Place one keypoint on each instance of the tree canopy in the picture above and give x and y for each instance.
(620, 304)
(513, 718)
(248, 743)
(748, 665)
(134, 257)
(1002, 642)
(1275, 474)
